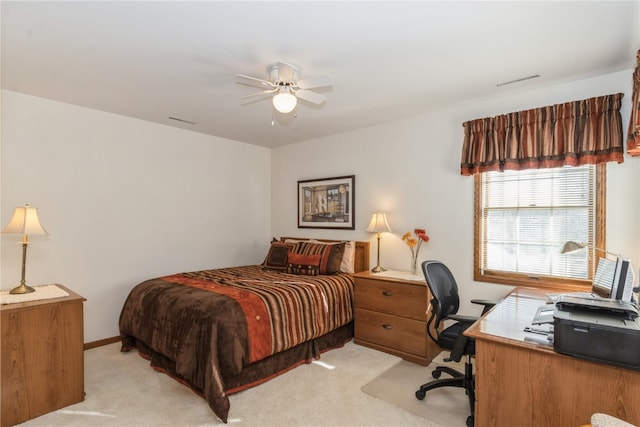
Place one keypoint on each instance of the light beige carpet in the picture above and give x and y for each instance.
(447, 406)
(123, 391)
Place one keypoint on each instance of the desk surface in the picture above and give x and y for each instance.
(524, 383)
(507, 320)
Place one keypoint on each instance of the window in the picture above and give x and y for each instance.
(523, 218)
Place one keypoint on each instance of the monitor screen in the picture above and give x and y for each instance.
(603, 279)
(622, 286)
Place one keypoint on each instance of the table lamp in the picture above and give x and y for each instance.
(25, 222)
(571, 246)
(378, 225)
(622, 276)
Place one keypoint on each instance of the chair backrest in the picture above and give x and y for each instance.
(443, 288)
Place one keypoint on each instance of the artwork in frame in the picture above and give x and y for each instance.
(327, 203)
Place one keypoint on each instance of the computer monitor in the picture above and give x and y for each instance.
(614, 279)
(622, 286)
(603, 278)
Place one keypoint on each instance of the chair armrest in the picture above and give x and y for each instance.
(488, 304)
(462, 318)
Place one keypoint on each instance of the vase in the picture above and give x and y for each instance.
(414, 265)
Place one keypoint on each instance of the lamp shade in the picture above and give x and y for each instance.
(285, 101)
(378, 223)
(571, 246)
(25, 222)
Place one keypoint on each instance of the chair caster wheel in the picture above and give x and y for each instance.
(420, 394)
(436, 374)
(470, 421)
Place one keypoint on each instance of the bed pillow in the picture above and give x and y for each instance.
(307, 265)
(294, 241)
(348, 257)
(330, 255)
(277, 257)
(348, 264)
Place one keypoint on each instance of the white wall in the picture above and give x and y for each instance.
(125, 200)
(411, 170)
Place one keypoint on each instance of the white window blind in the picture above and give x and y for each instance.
(528, 215)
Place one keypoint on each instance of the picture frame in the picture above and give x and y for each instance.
(327, 203)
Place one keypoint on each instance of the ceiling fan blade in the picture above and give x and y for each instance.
(314, 82)
(307, 95)
(285, 72)
(252, 81)
(263, 93)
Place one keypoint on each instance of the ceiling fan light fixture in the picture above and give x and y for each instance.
(285, 101)
(284, 88)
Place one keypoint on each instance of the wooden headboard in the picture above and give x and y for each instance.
(362, 252)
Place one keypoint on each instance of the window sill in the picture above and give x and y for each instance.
(546, 283)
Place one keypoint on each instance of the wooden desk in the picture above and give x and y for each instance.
(523, 383)
(42, 359)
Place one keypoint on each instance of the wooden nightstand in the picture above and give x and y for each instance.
(42, 357)
(390, 315)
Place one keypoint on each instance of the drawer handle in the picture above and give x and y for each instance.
(387, 293)
(387, 327)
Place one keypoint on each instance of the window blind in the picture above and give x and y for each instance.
(528, 215)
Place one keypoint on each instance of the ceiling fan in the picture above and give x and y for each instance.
(283, 83)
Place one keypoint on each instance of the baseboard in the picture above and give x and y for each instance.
(100, 343)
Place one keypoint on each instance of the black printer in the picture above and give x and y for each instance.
(601, 330)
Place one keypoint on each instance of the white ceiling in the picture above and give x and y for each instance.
(154, 60)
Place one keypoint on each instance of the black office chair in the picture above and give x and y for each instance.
(444, 306)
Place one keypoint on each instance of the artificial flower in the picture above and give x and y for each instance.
(414, 244)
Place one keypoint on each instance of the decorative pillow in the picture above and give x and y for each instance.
(348, 258)
(277, 257)
(308, 265)
(348, 264)
(330, 255)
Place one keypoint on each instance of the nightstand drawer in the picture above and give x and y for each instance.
(400, 299)
(397, 333)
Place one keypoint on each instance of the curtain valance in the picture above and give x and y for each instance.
(574, 133)
(633, 137)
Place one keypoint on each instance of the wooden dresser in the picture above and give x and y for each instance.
(41, 357)
(390, 315)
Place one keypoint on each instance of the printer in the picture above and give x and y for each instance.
(601, 330)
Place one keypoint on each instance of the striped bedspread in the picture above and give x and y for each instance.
(205, 327)
(281, 310)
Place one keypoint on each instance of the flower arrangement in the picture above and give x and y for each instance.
(414, 244)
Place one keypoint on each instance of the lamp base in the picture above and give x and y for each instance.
(22, 289)
(378, 269)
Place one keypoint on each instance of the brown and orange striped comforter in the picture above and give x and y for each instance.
(224, 330)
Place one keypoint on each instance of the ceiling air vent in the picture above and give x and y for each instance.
(535, 76)
(182, 121)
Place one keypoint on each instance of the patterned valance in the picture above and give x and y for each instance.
(633, 139)
(574, 133)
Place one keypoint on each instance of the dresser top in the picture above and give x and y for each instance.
(72, 297)
(394, 276)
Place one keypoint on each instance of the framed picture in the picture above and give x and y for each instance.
(327, 203)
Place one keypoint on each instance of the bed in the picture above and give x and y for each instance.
(225, 330)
